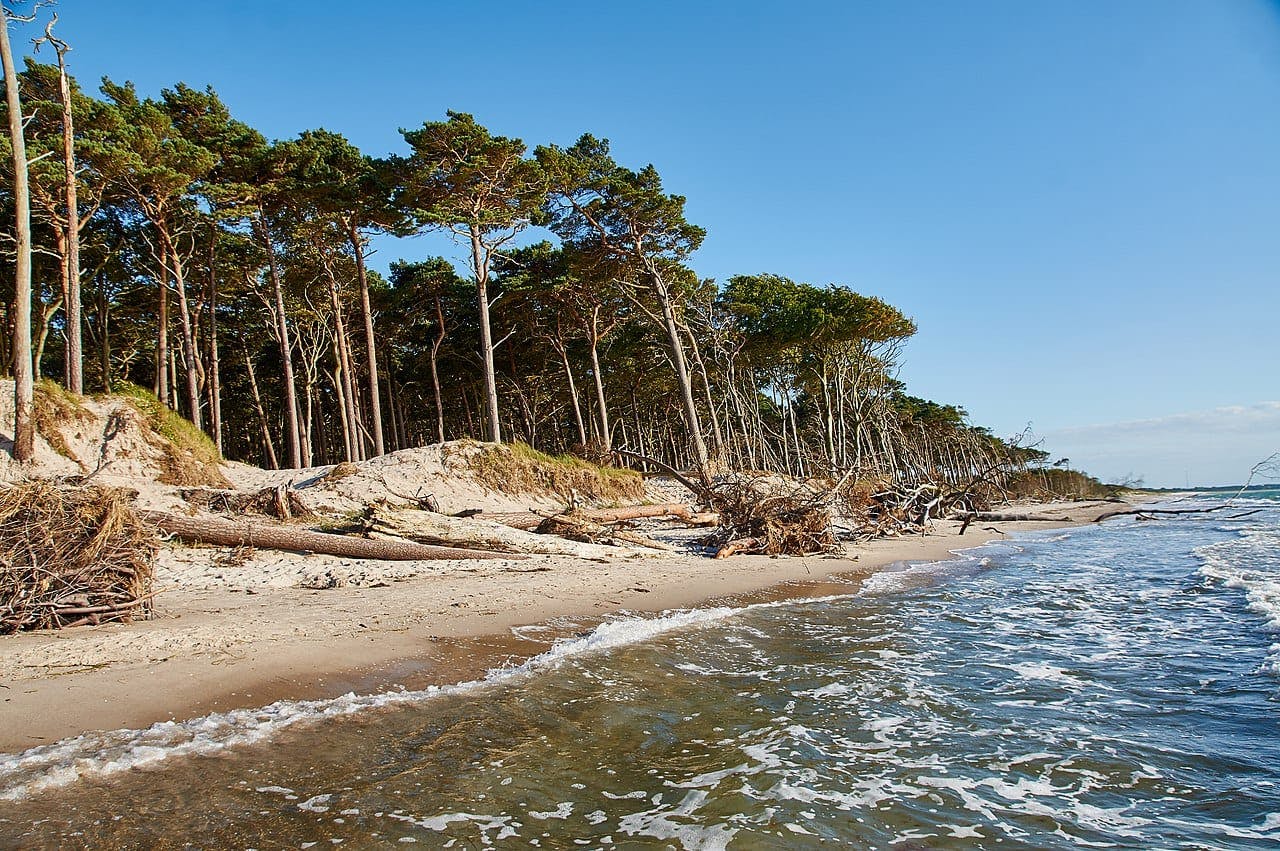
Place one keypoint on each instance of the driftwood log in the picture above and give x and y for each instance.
(1009, 517)
(428, 527)
(530, 520)
(576, 528)
(274, 536)
(1145, 512)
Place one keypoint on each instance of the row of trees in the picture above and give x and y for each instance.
(173, 246)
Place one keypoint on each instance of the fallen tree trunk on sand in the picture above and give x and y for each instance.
(576, 528)
(1145, 512)
(232, 533)
(1008, 517)
(530, 520)
(427, 527)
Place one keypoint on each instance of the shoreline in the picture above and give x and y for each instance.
(215, 650)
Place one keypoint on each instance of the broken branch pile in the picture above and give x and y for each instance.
(882, 508)
(279, 502)
(769, 515)
(71, 556)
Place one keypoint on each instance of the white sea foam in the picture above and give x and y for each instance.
(96, 754)
(1251, 563)
(63, 762)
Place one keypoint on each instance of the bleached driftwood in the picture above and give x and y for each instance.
(532, 519)
(576, 528)
(275, 536)
(1009, 517)
(430, 528)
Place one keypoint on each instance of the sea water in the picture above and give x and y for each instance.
(1115, 685)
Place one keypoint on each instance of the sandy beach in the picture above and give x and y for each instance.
(219, 648)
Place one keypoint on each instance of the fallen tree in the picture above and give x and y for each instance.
(232, 533)
(428, 527)
(573, 526)
(529, 520)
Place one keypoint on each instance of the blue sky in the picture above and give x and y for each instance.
(1078, 202)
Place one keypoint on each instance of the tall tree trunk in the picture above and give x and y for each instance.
(262, 414)
(561, 350)
(716, 434)
(480, 264)
(351, 416)
(24, 432)
(375, 400)
(392, 414)
(44, 321)
(435, 373)
(215, 366)
(676, 348)
(104, 331)
(60, 247)
(162, 335)
(189, 353)
(286, 350)
(75, 353)
(344, 412)
(606, 435)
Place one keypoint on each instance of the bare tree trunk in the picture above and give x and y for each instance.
(162, 336)
(676, 348)
(342, 347)
(435, 374)
(606, 436)
(277, 536)
(375, 400)
(344, 413)
(392, 414)
(286, 350)
(24, 433)
(44, 312)
(561, 350)
(104, 348)
(75, 354)
(262, 414)
(717, 435)
(215, 366)
(189, 353)
(480, 264)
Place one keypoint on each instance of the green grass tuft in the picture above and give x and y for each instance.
(56, 407)
(519, 468)
(190, 456)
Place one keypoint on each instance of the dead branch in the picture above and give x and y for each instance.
(697, 490)
(529, 520)
(1110, 514)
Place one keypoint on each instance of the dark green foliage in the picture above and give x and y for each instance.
(600, 335)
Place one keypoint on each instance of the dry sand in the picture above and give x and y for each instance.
(242, 635)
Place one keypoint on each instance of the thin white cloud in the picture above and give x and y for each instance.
(1210, 447)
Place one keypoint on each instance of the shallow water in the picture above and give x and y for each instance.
(1111, 686)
